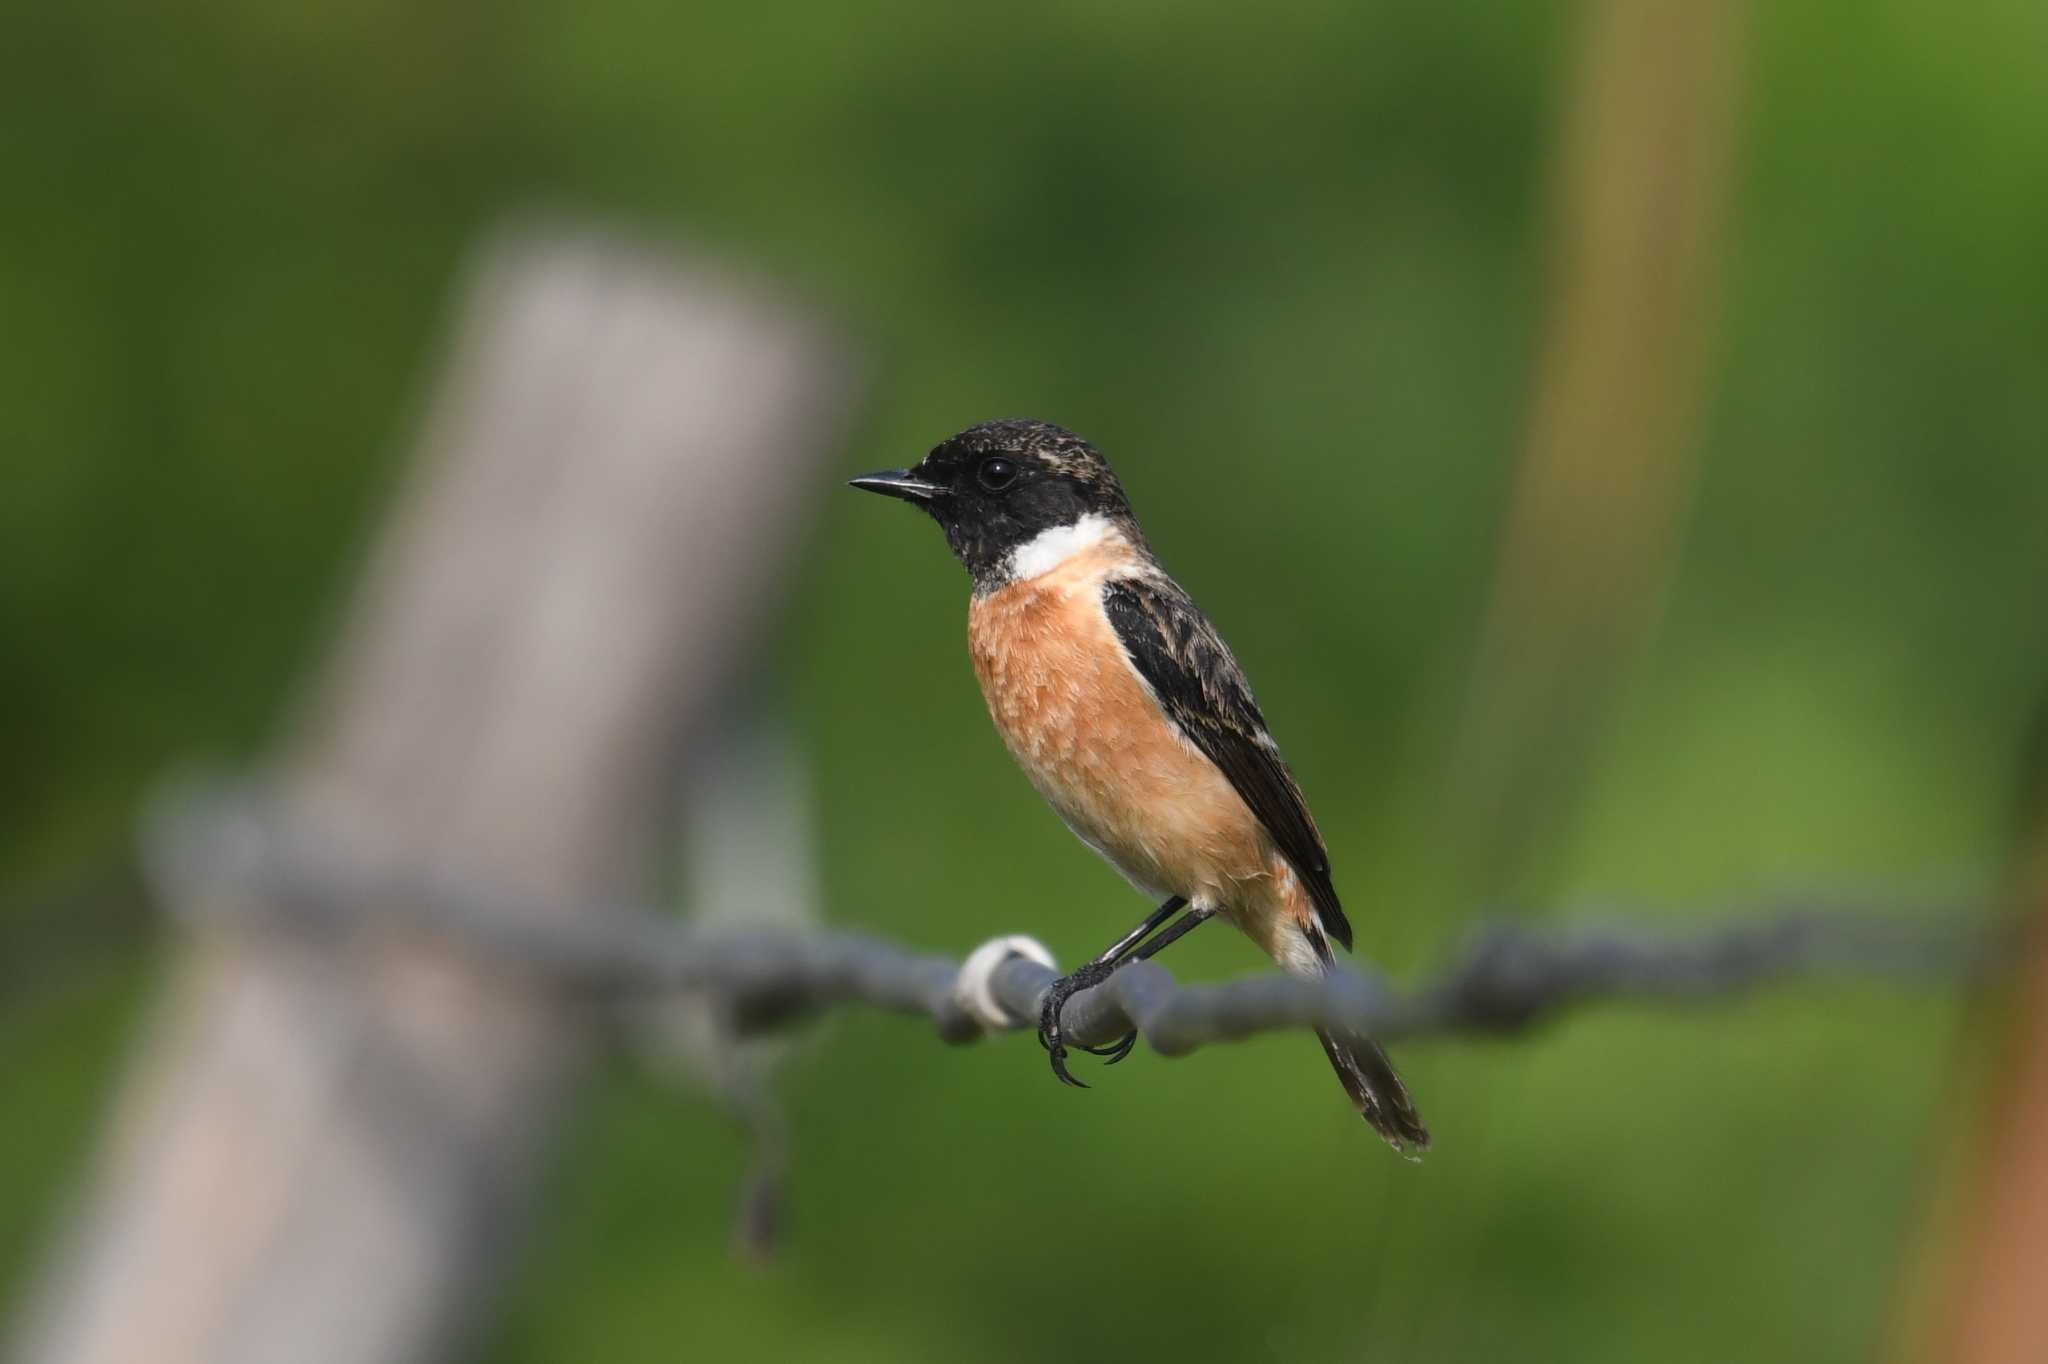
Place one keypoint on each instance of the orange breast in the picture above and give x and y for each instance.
(1088, 734)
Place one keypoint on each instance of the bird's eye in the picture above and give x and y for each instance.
(996, 474)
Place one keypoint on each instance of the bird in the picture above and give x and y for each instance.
(1129, 714)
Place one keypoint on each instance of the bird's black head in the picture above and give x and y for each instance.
(998, 488)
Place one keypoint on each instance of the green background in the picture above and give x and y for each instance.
(1286, 265)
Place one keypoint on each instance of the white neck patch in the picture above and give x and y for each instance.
(1049, 549)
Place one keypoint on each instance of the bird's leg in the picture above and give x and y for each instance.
(1127, 948)
(1122, 947)
(1182, 926)
(1131, 945)
(1194, 918)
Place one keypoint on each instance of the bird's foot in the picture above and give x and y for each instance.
(1056, 997)
(1115, 1051)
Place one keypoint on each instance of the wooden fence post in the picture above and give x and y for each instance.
(327, 1156)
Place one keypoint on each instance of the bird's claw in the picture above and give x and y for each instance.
(1115, 1051)
(1056, 997)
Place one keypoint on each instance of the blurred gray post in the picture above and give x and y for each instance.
(328, 1156)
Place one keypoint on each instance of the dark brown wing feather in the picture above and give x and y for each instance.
(1189, 668)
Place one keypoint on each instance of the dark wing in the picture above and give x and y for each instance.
(1189, 667)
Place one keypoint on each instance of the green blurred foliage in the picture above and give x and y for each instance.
(1286, 266)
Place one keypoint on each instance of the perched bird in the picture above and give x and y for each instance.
(1126, 710)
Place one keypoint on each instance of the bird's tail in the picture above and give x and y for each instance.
(1376, 1091)
(1301, 945)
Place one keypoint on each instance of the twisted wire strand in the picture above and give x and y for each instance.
(223, 854)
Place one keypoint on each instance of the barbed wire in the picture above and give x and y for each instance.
(228, 853)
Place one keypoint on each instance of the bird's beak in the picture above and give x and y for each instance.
(897, 483)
